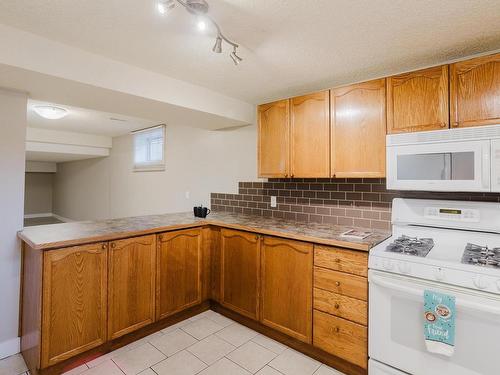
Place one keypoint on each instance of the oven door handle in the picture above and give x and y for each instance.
(470, 305)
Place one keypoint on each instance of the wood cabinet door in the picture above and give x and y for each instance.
(310, 135)
(358, 129)
(418, 101)
(287, 271)
(274, 139)
(178, 271)
(240, 272)
(475, 91)
(74, 301)
(132, 272)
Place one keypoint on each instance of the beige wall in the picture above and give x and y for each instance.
(38, 193)
(12, 143)
(198, 161)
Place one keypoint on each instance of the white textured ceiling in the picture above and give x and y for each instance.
(80, 120)
(289, 46)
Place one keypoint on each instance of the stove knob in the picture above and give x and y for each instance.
(387, 265)
(439, 274)
(404, 268)
(480, 282)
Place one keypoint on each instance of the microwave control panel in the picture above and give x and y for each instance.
(468, 215)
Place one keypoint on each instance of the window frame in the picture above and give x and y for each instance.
(153, 165)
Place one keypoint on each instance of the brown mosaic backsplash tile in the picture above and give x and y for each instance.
(361, 202)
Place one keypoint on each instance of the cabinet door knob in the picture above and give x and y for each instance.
(113, 245)
(337, 283)
(336, 329)
(337, 306)
(160, 237)
(286, 175)
(103, 246)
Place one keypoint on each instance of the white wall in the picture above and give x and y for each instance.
(38, 189)
(197, 160)
(12, 140)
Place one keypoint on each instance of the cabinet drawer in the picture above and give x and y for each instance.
(355, 262)
(341, 283)
(342, 338)
(341, 306)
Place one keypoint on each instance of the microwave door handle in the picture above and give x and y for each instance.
(381, 281)
(485, 166)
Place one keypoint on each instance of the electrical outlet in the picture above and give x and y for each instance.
(273, 201)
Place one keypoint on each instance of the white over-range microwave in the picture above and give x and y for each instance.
(466, 159)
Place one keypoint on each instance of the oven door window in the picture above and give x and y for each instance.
(436, 166)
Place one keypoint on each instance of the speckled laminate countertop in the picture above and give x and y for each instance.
(44, 237)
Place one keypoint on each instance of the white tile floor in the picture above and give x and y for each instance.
(207, 344)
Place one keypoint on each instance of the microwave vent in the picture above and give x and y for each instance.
(463, 134)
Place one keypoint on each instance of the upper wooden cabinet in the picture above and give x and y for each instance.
(310, 135)
(274, 139)
(418, 101)
(287, 271)
(475, 92)
(358, 128)
(179, 269)
(131, 296)
(240, 272)
(74, 301)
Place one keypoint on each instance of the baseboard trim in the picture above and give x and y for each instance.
(62, 218)
(35, 216)
(9, 347)
(48, 214)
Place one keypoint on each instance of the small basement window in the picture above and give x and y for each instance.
(149, 149)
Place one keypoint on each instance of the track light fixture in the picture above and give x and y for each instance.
(200, 8)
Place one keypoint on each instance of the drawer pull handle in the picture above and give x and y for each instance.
(337, 306)
(104, 246)
(337, 283)
(336, 329)
(113, 245)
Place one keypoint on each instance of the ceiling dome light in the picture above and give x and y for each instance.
(50, 112)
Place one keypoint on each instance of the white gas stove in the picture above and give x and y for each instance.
(451, 242)
(448, 247)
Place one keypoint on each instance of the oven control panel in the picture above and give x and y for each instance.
(468, 215)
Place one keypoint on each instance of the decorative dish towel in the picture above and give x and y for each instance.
(439, 326)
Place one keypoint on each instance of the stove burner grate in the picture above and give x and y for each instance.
(481, 256)
(411, 246)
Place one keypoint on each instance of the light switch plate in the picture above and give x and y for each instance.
(273, 201)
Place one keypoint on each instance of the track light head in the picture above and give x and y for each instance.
(197, 6)
(164, 6)
(218, 45)
(235, 57)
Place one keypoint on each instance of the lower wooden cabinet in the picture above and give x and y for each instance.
(340, 337)
(287, 268)
(341, 303)
(78, 298)
(74, 301)
(240, 272)
(132, 271)
(179, 265)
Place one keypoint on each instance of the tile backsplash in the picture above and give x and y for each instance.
(361, 202)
